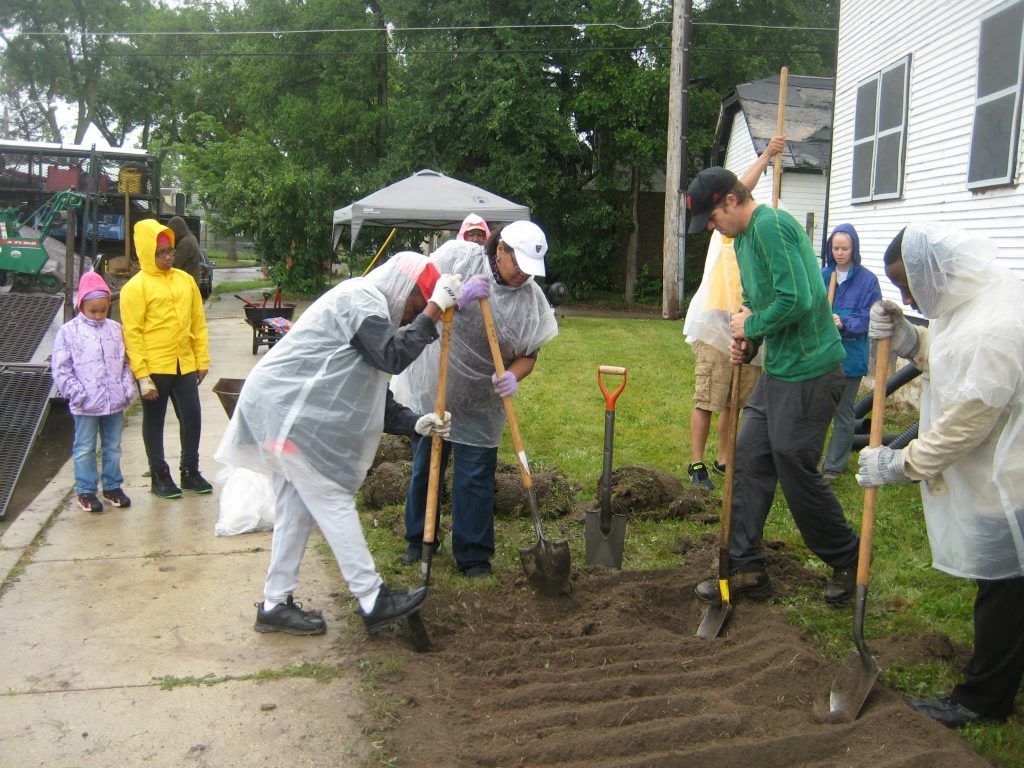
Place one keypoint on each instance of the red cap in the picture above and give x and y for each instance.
(427, 280)
(163, 239)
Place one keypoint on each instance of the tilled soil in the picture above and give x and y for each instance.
(614, 675)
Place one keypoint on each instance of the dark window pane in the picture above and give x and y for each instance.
(864, 124)
(863, 159)
(990, 145)
(891, 109)
(887, 164)
(999, 50)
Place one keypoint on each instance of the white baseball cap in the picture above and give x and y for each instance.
(529, 244)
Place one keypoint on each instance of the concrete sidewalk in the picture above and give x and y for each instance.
(127, 636)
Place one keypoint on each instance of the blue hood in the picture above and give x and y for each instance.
(830, 263)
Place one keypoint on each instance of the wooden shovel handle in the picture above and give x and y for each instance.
(867, 523)
(510, 412)
(832, 280)
(434, 481)
(780, 127)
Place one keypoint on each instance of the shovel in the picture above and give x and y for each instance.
(717, 615)
(605, 532)
(855, 678)
(546, 563)
(420, 638)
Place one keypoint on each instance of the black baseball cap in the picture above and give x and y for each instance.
(705, 193)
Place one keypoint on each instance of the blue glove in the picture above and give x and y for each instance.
(476, 288)
(880, 466)
(505, 385)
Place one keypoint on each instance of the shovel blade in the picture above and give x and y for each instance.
(605, 548)
(546, 565)
(714, 621)
(418, 632)
(852, 684)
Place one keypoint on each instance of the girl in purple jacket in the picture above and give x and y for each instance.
(90, 369)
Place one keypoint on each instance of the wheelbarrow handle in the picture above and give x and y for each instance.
(246, 301)
(611, 397)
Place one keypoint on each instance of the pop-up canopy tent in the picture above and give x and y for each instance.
(426, 200)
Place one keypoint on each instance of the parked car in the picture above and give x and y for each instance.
(205, 275)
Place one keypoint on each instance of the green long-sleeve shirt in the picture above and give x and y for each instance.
(783, 288)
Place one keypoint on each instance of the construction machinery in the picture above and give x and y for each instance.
(23, 254)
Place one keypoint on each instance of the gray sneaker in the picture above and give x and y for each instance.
(698, 473)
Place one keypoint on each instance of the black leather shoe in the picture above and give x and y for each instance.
(480, 571)
(749, 580)
(841, 586)
(194, 482)
(289, 617)
(392, 605)
(950, 713)
(162, 485)
(414, 553)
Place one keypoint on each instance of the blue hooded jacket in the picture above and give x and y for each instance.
(853, 300)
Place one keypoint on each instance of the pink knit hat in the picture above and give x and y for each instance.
(91, 286)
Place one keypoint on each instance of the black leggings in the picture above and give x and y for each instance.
(183, 392)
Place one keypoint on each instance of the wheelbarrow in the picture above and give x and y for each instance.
(265, 333)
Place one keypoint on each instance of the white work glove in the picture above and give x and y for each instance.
(447, 291)
(880, 466)
(146, 386)
(887, 319)
(431, 424)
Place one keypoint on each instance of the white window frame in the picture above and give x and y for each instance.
(981, 101)
(877, 134)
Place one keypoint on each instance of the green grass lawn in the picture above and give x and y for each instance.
(561, 415)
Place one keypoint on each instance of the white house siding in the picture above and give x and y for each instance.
(942, 39)
(801, 192)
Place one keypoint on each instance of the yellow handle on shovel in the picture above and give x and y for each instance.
(434, 481)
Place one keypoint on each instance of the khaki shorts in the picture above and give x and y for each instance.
(713, 379)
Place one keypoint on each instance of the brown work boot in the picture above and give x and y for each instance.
(749, 580)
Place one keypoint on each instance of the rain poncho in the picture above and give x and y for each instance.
(524, 322)
(314, 400)
(975, 508)
(719, 296)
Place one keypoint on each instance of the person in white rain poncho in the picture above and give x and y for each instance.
(310, 415)
(969, 454)
(524, 323)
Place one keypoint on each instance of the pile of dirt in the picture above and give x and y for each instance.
(613, 675)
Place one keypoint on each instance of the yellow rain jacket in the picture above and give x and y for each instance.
(162, 313)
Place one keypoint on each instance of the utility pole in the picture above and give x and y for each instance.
(674, 243)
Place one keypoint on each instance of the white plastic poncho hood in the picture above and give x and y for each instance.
(524, 322)
(976, 307)
(313, 401)
(719, 295)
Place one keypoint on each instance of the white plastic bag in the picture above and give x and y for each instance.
(246, 502)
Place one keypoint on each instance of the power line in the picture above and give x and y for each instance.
(578, 26)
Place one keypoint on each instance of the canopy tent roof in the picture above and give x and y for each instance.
(426, 200)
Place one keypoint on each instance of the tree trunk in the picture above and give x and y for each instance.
(232, 247)
(633, 246)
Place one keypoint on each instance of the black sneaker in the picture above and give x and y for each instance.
(698, 473)
(392, 605)
(414, 553)
(749, 580)
(718, 469)
(481, 571)
(289, 617)
(945, 710)
(193, 482)
(841, 586)
(116, 498)
(162, 485)
(89, 502)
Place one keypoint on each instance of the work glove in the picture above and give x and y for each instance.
(476, 288)
(880, 466)
(505, 385)
(447, 291)
(431, 424)
(887, 319)
(146, 386)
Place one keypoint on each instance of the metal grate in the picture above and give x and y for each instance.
(24, 320)
(24, 397)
